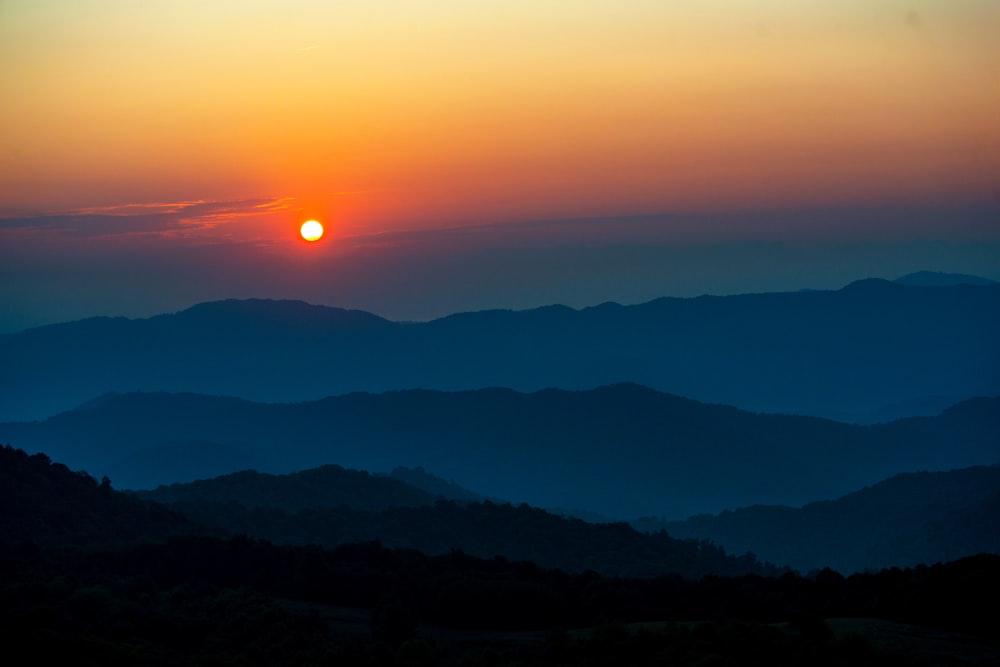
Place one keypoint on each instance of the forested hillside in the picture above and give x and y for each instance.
(75, 581)
(45, 503)
(912, 518)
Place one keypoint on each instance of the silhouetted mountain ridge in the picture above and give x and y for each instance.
(842, 354)
(938, 279)
(485, 530)
(325, 487)
(45, 503)
(434, 485)
(87, 572)
(621, 450)
(281, 313)
(911, 518)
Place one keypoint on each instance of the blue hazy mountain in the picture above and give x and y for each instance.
(912, 518)
(937, 279)
(622, 450)
(435, 486)
(850, 354)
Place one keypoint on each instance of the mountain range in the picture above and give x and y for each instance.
(623, 450)
(110, 579)
(48, 505)
(874, 350)
(904, 521)
(908, 519)
(326, 487)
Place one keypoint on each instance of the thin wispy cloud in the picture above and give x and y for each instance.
(192, 220)
(134, 208)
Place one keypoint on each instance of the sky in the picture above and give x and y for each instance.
(488, 154)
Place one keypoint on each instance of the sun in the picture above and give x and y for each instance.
(311, 230)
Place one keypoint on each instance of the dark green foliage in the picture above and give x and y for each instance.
(46, 503)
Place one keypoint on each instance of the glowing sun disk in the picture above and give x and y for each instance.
(311, 230)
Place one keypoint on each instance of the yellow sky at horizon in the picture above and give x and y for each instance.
(393, 114)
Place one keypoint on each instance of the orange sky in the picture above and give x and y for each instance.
(390, 115)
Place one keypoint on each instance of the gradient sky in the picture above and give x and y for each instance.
(468, 154)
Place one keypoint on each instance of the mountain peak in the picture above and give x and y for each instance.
(938, 279)
(286, 311)
(869, 284)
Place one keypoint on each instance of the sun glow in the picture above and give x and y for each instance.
(311, 230)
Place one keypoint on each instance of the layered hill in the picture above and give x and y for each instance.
(938, 279)
(326, 487)
(907, 520)
(45, 503)
(243, 601)
(842, 354)
(623, 450)
(242, 505)
(912, 518)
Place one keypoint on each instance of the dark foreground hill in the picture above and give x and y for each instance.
(624, 451)
(331, 506)
(205, 600)
(239, 601)
(913, 518)
(45, 503)
(842, 354)
(903, 521)
(326, 487)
